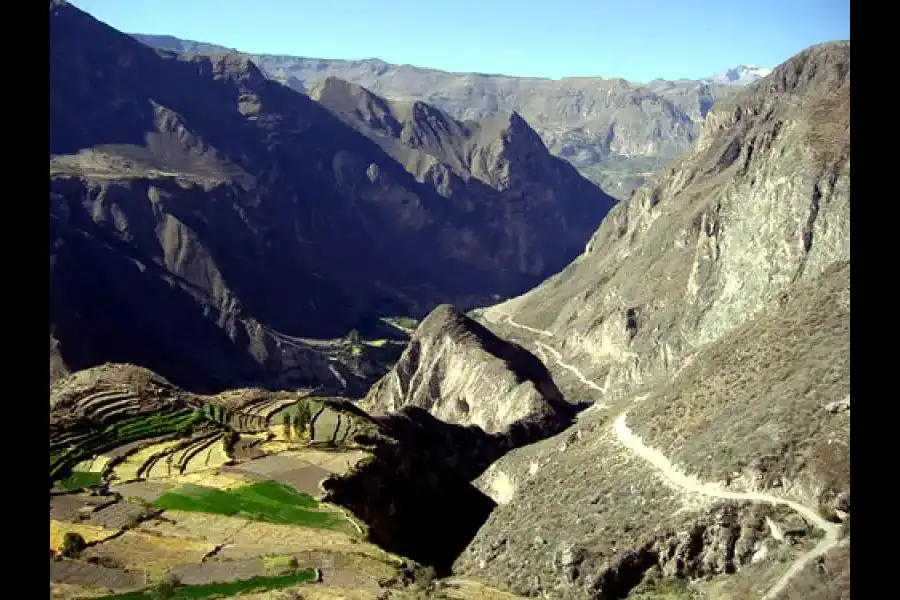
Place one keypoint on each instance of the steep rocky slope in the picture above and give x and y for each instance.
(763, 202)
(479, 166)
(458, 400)
(58, 367)
(709, 320)
(615, 131)
(461, 373)
(765, 408)
(254, 217)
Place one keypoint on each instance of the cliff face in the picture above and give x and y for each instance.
(463, 374)
(709, 320)
(495, 171)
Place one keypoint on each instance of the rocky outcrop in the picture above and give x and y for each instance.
(458, 399)
(462, 373)
(58, 368)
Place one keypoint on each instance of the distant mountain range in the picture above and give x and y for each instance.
(614, 131)
(740, 75)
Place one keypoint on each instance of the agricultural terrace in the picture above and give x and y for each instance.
(177, 440)
(249, 410)
(266, 501)
(318, 422)
(86, 440)
(216, 590)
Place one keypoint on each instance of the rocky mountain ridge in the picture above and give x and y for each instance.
(616, 132)
(479, 166)
(740, 75)
(705, 267)
(452, 364)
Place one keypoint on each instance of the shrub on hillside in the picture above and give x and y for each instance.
(166, 589)
(73, 544)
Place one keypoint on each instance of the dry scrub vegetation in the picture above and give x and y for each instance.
(757, 398)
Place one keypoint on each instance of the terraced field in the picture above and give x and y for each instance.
(94, 436)
(149, 478)
(217, 590)
(107, 430)
(264, 501)
(252, 410)
(208, 494)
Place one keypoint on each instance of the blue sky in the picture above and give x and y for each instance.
(636, 40)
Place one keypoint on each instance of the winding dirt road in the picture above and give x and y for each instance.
(678, 478)
(691, 484)
(568, 367)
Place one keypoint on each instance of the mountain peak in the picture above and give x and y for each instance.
(230, 67)
(740, 75)
(335, 86)
(823, 67)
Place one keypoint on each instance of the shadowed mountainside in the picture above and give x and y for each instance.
(253, 216)
(615, 131)
(480, 166)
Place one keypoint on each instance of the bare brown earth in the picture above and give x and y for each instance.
(81, 573)
(289, 470)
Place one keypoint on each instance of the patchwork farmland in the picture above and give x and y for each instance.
(205, 496)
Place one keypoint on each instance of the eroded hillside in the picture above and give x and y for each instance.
(462, 373)
(762, 203)
(709, 320)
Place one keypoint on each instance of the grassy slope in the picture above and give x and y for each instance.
(215, 590)
(266, 501)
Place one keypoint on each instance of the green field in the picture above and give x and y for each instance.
(233, 588)
(265, 501)
(666, 589)
(79, 479)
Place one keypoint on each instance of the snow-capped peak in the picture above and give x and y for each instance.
(740, 75)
